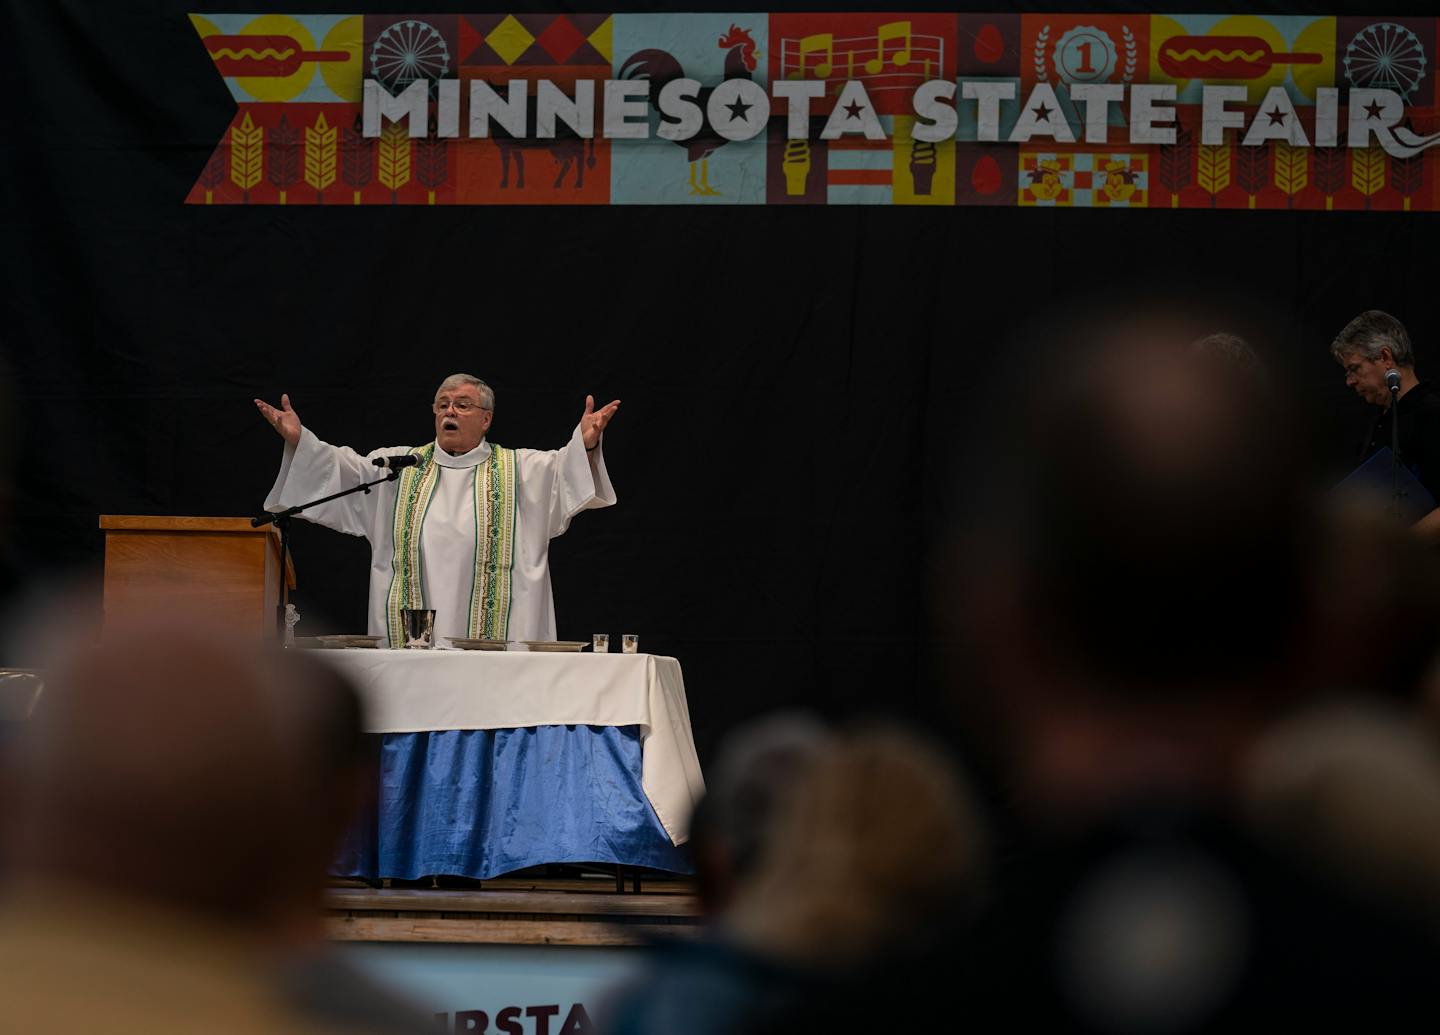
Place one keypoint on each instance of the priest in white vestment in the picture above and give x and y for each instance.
(467, 530)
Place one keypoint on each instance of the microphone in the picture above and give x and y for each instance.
(396, 463)
(1392, 380)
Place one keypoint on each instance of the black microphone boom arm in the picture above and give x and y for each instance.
(281, 520)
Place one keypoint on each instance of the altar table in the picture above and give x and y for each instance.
(493, 761)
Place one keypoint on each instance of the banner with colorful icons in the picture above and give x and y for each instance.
(1035, 110)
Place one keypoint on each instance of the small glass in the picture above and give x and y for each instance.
(292, 618)
(630, 643)
(600, 643)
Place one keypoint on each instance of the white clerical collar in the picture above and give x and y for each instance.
(474, 458)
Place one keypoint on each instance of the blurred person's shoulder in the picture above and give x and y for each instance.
(1169, 915)
(707, 987)
(333, 995)
(73, 960)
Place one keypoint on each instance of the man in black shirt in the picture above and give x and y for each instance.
(1370, 346)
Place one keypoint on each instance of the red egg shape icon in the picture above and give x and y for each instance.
(986, 177)
(989, 44)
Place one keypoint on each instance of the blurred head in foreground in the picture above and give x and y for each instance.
(848, 857)
(1146, 551)
(758, 767)
(717, 983)
(180, 800)
(157, 746)
(1222, 347)
(1144, 607)
(876, 851)
(1355, 787)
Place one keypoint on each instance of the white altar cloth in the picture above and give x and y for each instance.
(416, 691)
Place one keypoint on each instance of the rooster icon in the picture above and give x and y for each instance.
(661, 67)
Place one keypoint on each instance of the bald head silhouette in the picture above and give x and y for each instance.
(1158, 514)
(170, 766)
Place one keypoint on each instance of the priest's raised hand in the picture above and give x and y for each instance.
(285, 421)
(593, 421)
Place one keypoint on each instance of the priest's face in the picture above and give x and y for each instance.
(460, 419)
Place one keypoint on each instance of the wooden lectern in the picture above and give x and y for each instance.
(205, 568)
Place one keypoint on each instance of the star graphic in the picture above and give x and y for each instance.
(853, 110)
(738, 109)
(1276, 117)
(1372, 110)
(1043, 113)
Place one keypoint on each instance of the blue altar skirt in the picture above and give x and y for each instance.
(479, 803)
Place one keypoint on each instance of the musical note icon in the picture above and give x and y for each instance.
(823, 42)
(894, 31)
(891, 59)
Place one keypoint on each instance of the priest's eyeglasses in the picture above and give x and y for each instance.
(460, 406)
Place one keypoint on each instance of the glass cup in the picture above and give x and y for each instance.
(630, 643)
(600, 643)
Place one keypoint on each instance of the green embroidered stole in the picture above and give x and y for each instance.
(494, 545)
(491, 582)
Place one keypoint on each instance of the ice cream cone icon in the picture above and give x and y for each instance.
(922, 167)
(796, 166)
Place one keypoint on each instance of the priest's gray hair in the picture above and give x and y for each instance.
(1370, 332)
(487, 394)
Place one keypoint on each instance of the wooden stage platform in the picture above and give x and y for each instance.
(517, 910)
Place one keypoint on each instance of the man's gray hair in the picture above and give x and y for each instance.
(487, 394)
(1370, 332)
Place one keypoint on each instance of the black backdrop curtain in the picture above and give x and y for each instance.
(796, 381)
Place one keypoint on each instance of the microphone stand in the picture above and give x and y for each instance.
(1395, 449)
(281, 520)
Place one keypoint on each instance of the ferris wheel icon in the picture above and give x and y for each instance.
(407, 51)
(1385, 56)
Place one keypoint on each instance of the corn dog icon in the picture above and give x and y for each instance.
(264, 56)
(1224, 57)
